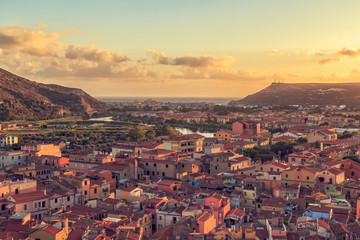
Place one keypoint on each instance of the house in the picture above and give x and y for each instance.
(188, 143)
(152, 205)
(158, 154)
(301, 158)
(273, 204)
(288, 192)
(321, 135)
(147, 146)
(331, 175)
(219, 206)
(39, 149)
(8, 158)
(169, 186)
(303, 175)
(6, 140)
(234, 218)
(226, 135)
(168, 214)
(36, 203)
(51, 233)
(157, 169)
(316, 211)
(223, 165)
(206, 222)
(82, 162)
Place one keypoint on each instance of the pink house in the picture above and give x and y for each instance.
(36, 203)
(219, 206)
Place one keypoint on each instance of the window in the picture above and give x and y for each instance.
(55, 200)
(35, 205)
(352, 173)
(286, 175)
(298, 177)
(146, 164)
(25, 207)
(160, 217)
(68, 198)
(307, 178)
(85, 193)
(43, 204)
(163, 174)
(167, 166)
(95, 190)
(154, 164)
(17, 191)
(85, 182)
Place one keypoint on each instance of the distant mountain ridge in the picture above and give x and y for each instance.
(21, 98)
(305, 94)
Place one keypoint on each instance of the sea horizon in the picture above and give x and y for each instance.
(168, 99)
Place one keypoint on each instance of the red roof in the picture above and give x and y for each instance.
(25, 197)
(51, 229)
(205, 216)
(237, 212)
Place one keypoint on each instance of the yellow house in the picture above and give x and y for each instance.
(303, 175)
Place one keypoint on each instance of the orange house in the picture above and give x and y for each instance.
(207, 223)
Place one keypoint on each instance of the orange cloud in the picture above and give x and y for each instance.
(91, 53)
(341, 54)
(28, 41)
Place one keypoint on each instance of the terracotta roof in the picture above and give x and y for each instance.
(51, 229)
(204, 217)
(76, 234)
(237, 212)
(159, 152)
(112, 166)
(25, 197)
(149, 144)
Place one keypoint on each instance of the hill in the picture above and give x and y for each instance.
(305, 94)
(21, 99)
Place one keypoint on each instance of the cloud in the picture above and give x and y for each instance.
(36, 53)
(349, 52)
(275, 52)
(28, 41)
(342, 54)
(191, 61)
(91, 53)
(314, 52)
(328, 60)
(203, 67)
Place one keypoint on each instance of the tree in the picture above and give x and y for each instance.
(135, 134)
(150, 134)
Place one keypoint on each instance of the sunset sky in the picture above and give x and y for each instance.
(208, 48)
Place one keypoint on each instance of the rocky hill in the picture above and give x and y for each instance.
(21, 98)
(305, 94)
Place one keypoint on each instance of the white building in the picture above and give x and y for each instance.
(8, 140)
(12, 158)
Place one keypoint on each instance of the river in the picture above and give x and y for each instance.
(188, 131)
